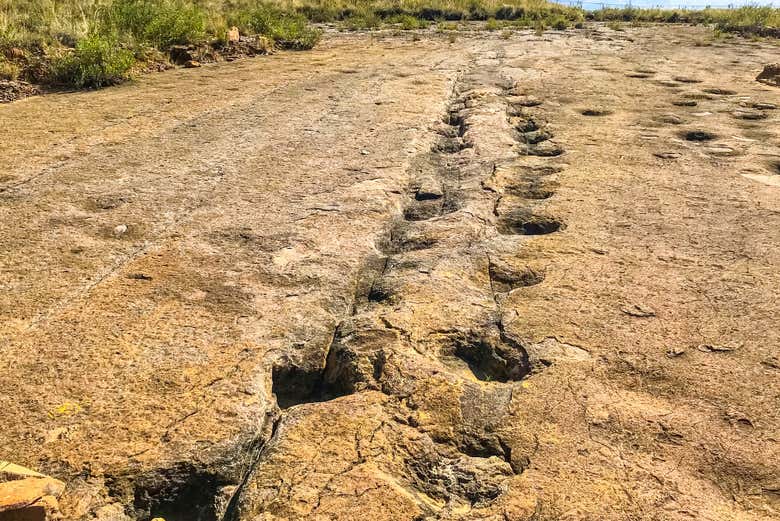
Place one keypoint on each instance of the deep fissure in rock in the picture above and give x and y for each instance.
(184, 492)
(294, 385)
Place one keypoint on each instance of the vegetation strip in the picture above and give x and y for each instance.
(93, 43)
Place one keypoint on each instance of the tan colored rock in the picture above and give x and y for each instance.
(11, 471)
(30, 499)
(233, 36)
(111, 512)
(300, 346)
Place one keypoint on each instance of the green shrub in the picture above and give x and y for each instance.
(362, 19)
(748, 19)
(559, 23)
(288, 30)
(407, 22)
(96, 61)
(161, 23)
(320, 13)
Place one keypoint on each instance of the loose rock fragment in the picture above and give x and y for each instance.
(667, 155)
(714, 348)
(26, 495)
(770, 75)
(674, 352)
(749, 114)
(233, 36)
(672, 119)
(638, 310)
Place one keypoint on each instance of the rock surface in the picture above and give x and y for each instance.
(494, 314)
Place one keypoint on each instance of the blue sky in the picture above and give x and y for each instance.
(693, 4)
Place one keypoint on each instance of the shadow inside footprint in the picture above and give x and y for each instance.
(596, 112)
(697, 135)
(491, 359)
(504, 277)
(523, 222)
(685, 79)
(720, 92)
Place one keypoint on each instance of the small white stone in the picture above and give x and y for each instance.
(120, 230)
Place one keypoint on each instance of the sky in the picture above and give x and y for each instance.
(669, 4)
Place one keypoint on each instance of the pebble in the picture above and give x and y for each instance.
(721, 151)
(672, 119)
(120, 230)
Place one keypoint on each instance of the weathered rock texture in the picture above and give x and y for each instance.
(394, 279)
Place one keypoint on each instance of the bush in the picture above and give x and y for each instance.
(407, 22)
(161, 23)
(97, 61)
(364, 19)
(286, 29)
(559, 23)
